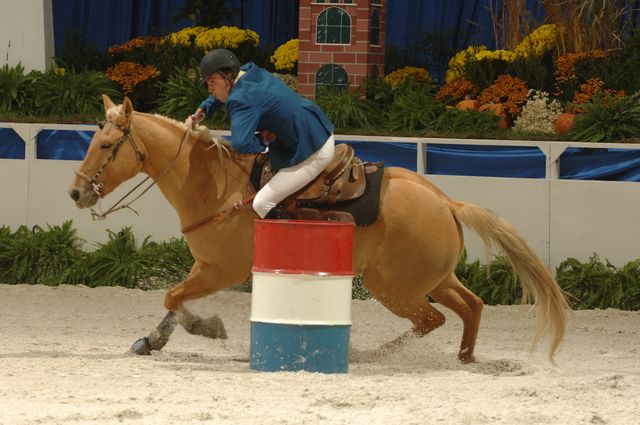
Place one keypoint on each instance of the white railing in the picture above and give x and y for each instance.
(560, 218)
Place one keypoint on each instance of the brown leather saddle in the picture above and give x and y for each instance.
(342, 180)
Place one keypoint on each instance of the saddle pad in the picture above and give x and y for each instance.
(364, 209)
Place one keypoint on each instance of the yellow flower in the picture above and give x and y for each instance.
(185, 36)
(286, 56)
(505, 55)
(399, 76)
(59, 71)
(226, 37)
(457, 63)
(538, 42)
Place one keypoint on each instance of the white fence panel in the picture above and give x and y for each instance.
(559, 218)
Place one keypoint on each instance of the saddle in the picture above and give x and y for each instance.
(343, 179)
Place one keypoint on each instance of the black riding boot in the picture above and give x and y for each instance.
(277, 213)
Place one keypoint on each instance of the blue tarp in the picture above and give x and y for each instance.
(487, 161)
(11, 145)
(63, 144)
(600, 164)
(468, 160)
(393, 154)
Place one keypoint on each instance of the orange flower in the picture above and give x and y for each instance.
(592, 87)
(130, 74)
(455, 90)
(511, 92)
(131, 45)
(566, 65)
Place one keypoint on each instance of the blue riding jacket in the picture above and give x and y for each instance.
(259, 101)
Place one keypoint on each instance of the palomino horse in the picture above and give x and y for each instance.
(408, 253)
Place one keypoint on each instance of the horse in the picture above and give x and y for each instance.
(407, 255)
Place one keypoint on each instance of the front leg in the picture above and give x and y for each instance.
(196, 285)
(203, 280)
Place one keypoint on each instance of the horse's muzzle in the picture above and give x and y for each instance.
(83, 197)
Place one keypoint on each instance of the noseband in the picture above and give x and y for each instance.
(97, 186)
(93, 181)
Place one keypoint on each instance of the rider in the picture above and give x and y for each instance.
(297, 132)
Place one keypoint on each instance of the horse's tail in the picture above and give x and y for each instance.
(552, 309)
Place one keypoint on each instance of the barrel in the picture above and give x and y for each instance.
(301, 296)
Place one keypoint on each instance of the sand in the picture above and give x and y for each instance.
(64, 360)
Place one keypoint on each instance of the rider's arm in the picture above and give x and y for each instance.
(208, 105)
(244, 122)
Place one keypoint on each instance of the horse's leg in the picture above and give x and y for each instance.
(416, 308)
(211, 327)
(453, 295)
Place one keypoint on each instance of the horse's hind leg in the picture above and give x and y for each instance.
(453, 295)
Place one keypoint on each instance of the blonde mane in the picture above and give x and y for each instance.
(200, 133)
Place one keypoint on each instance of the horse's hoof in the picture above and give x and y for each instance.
(214, 328)
(466, 358)
(141, 347)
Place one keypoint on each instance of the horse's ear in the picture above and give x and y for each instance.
(127, 107)
(108, 104)
(126, 111)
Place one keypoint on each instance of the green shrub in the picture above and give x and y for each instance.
(72, 93)
(608, 119)
(181, 95)
(538, 72)
(345, 109)
(37, 255)
(77, 54)
(484, 72)
(379, 92)
(358, 289)
(53, 256)
(466, 122)
(119, 261)
(16, 90)
(173, 261)
(414, 108)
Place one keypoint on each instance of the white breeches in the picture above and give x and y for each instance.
(291, 179)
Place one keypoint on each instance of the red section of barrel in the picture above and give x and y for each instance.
(303, 247)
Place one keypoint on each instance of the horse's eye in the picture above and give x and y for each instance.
(106, 145)
(101, 125)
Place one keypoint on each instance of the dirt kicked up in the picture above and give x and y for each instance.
(64, 360)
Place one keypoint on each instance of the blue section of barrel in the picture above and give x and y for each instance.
(312, 348)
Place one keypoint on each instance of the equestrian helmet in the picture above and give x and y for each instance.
(217, 60)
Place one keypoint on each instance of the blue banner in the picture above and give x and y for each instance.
(486, 161)
(600, 164)
(63, 144)
(11, 145)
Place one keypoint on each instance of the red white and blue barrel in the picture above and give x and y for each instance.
(301, 296)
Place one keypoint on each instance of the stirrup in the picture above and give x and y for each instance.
(277, 213)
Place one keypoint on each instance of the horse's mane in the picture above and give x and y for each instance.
(201, 133)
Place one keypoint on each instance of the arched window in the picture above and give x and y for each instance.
(334, 26)
(377, 2)
(374, 28)
(331, 75)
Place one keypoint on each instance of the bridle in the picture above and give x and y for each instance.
(93, 181)
(98, 186)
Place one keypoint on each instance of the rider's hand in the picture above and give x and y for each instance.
(267, 136)
(193, 120)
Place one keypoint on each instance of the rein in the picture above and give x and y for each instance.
(97, 187)
(219, 216)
